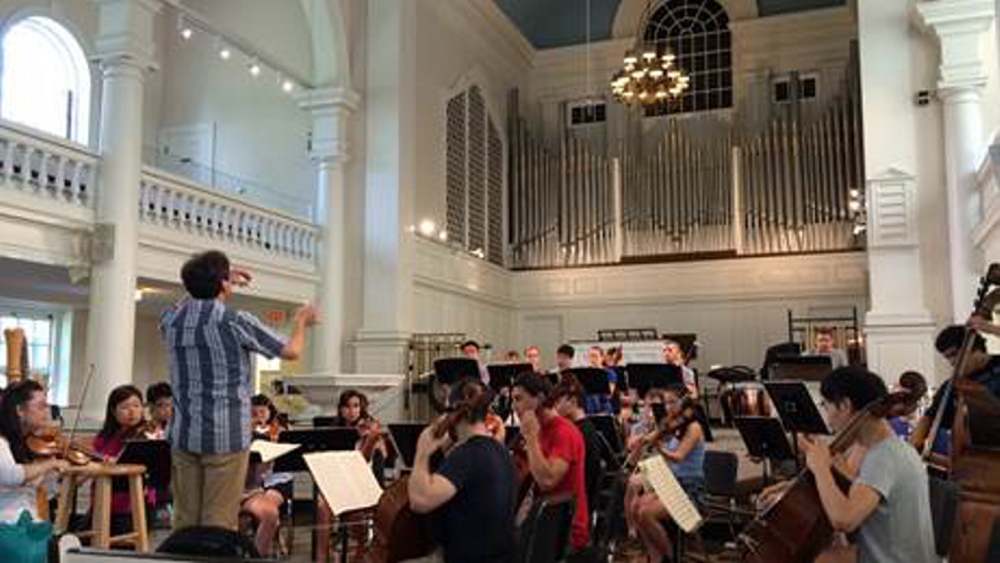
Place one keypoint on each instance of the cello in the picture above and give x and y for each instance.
(796, 527)
(399, 532)
(973, 468)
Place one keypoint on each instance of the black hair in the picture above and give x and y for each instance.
(261, 400)
(535, 386)
(570, 388)
(204, 273)
(855, 384)
(345, 397)
(157, 391)
(472, 392)
(118, 395)
(15, 395)
(566, 350)
(954, 336)
(914, 382)
(472, 343)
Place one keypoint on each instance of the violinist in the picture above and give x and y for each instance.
(160, 402)
(555, 450)
(474, 487)
(600, 404)
(123, 421)
(24, 410)
(982, 368)
(262, 500)
(888, 503)
(681, 441)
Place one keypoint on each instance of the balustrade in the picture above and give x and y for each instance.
(35, 163)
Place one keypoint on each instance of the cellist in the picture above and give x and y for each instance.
(888, 504)
(474, 486)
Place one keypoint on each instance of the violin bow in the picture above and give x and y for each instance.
(76, 418)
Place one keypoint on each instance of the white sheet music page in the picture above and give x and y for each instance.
(345, 479)
(659, 476)
(270, 451)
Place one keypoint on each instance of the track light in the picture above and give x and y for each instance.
(224, 53)
(287, 85)
(254, 68)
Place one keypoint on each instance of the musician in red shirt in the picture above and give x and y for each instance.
(556, 450)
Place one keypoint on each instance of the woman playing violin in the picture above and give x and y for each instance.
(123, 422)
(681, 441)
(24, 410)
(262, 500)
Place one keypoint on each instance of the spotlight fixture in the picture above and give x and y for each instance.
(427, 228)
(254, 68)
(287, 85)
(187, 32)
(183, 28)
(225, 53)
(443, 236)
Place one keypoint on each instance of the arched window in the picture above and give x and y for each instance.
(697, 32)
(46, 79)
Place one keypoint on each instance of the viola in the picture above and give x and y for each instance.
(49, 443)
(673, 424)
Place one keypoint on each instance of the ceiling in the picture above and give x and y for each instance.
(558, 23)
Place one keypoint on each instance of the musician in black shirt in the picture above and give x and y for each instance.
(570, 398)
(474, 487)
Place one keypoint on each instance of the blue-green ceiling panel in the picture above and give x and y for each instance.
(774, 7)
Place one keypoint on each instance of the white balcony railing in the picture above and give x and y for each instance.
(172, 202)
(35, 163)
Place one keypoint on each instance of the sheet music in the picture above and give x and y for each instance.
(345, 479)
(659, 476)
(270, 451)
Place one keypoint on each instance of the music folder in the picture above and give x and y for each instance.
(155, 455)
(269, 451)
(344, 479)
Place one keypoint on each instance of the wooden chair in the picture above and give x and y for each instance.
(102, 474)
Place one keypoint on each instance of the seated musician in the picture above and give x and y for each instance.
(352, 412)
(823, 345)
(555, 449)
(473, 488)
(981, 367)
(533, 356)
(674, 355)
(123, 422)
(684, 450)
(888, 504)
(600, 404)
(261, 499)
(564, 358)
(569, 400)
(470, 349)
(160, 402)
(914, 383)
(24, 410)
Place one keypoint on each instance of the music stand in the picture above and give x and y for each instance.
(765, 439)
(608, 432)
(800, 368)
(449, 371)
(796, 409)
(593, 380)
(404, 437)
(503, 376)
(154, 455)
(313, 440)
(643, 377)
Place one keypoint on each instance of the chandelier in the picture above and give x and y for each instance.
(648, 78)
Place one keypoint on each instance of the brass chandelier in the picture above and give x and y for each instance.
(648, 77)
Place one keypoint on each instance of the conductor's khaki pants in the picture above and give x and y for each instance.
(208, 488)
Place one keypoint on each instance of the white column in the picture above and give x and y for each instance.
(125, 54)
(390, 138)
(331, 110)
(961, 26)
(898, 328)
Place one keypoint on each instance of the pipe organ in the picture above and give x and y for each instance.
(695, 186)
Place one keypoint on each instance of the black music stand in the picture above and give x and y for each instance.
(404, 437)
(449, 371)
(502, 378)
(765, 439)
(796, 409)
(800, 368)
(154, 455)
(594, 380)
(610, 438)
(337, 439)
(643, 377)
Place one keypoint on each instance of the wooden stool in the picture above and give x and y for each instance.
(102, 473)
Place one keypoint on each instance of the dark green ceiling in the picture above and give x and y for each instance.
(558, 23)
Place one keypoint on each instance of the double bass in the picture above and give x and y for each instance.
(399, 532)
(796, 527)
(973, 468)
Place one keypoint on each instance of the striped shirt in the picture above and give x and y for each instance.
(209, 349)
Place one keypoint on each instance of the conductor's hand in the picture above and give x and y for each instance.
(306, 315)
(240, 277)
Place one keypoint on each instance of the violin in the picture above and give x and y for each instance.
(371, 437)
(49, 443)
(674, 424)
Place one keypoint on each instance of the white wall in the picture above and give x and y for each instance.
(261, 134)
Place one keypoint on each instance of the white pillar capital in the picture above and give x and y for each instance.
(126, 34)
(331, 109)
(959, 26)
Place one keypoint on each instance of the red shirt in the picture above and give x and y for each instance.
(560, 438)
